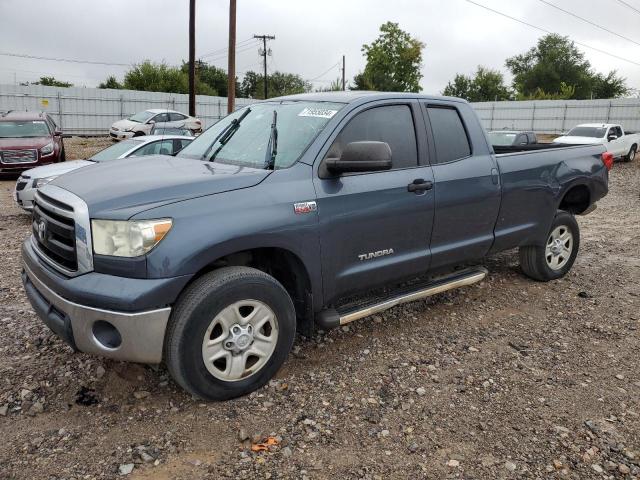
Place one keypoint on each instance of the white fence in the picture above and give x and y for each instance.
(555, 116)
(91, 111)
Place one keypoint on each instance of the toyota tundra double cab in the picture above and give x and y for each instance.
(300, 211)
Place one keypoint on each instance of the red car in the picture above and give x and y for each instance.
(27, 140)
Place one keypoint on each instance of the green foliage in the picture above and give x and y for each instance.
(334, 86)
(215, 77)
(159, 77)
(110, 82)
(51, 82)
(556, 60)
(393, 62)
(279, 83)
(566, 92)
(485, 85)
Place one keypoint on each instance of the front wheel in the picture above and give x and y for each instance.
(230, 332)
(556, 257)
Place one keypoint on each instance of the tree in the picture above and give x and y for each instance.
(210, 75)
(485, 85)
(159, 77)
(52, 82)
(110, 82)
(393, 62)
(279, 83)
(556, 60)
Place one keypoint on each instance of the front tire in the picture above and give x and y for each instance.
(229, 333)
(556, 257)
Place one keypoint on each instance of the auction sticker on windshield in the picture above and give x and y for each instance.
(317, 112)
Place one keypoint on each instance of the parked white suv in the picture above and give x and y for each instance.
(621, 144)
(142, 122)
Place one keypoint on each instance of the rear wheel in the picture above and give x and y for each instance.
(230, 332)
(631, 155)
(556, 257)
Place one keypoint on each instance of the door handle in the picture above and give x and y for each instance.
(420, 185)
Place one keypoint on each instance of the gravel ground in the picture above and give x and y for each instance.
(508, 378)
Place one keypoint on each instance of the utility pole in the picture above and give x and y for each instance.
(264, 53)
(344, 85)
(192, 58)
(231, 80)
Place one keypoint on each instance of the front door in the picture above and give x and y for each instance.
(373, 229)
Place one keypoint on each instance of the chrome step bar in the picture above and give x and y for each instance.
(332, 318)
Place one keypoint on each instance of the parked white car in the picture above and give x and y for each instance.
(31, 180)
(142, 122)
(621, 144)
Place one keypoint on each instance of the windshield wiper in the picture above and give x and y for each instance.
(272, 146)
(225, 135)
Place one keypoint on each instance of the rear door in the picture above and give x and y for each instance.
(466, 186)
(373, 230)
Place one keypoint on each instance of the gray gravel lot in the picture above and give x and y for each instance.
(508, 378)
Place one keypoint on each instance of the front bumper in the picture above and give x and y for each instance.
(24, 197)
(120, 135)
(128, 336)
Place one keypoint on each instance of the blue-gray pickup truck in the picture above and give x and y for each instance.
(295, 212)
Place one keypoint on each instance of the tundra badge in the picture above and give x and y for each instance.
(379, 253)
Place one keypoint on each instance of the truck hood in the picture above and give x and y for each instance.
(579, 140)
(119, 190)
(56, 169)
(29, 143)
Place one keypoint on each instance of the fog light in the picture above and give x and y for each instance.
(106, 334)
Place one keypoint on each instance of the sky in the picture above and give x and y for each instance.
(311, 36)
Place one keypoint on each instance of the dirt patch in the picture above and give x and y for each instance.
(505, 379)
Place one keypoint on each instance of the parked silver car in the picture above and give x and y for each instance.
(142, 122)
(31, 180)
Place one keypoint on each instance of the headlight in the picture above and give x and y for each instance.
(47, 149)
(128, 238)
(38, 182)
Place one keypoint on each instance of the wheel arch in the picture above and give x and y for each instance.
(576, 199)
(282, 264)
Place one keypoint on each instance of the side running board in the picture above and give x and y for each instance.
(334, 318)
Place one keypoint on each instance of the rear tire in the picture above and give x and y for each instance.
(556, 257)
(229, 334)
(631, 155)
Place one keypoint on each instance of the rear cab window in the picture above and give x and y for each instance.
(449, 133)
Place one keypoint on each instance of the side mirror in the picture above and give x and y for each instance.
(57, 132)
(361, 157)
(612, 137)
(151, 122)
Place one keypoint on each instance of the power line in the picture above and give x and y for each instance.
(239, 45)
(325, 72)
(549, 31)
(246, 48)
(588, 21)
(69, 60)
(629, 6)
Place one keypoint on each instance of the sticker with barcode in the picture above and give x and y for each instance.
(317, 112)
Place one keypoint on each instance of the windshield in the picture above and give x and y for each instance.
(501, 138)
(594, 132)
(141, 117)
(298, 123)
(114, 151)
(24, 129)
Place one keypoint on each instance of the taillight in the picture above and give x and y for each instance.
(607, 159)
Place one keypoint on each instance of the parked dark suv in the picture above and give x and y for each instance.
(27, 140)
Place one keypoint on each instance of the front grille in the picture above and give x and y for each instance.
(55, 233)
(20, 185)
(12, 157)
